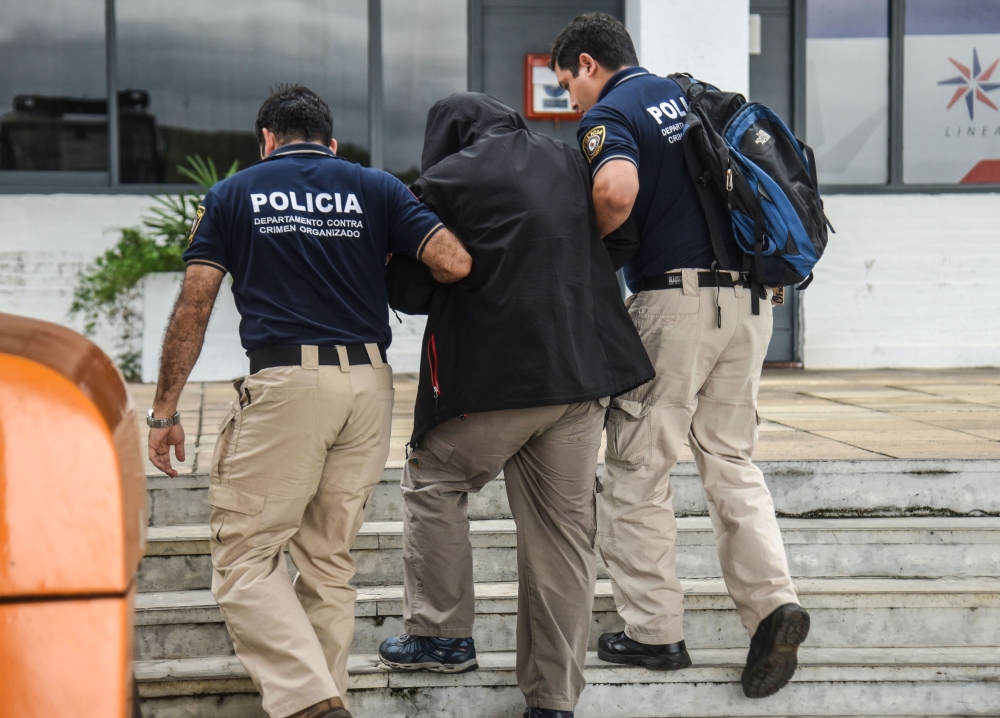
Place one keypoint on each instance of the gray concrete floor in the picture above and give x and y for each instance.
(899, 414)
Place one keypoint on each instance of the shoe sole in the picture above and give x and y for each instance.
(653, 664)
(465, 667)
(775, 668)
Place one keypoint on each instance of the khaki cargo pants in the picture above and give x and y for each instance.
(549, 458)
(705, 391)
(295, 463)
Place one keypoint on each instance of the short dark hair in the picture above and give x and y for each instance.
(599, 35)
(294, 112)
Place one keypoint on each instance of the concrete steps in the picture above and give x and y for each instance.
(177, 557)
(845, 613)
(805, 489)
(829, 682)
(898, 563)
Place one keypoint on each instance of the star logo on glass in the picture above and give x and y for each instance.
(974, 83)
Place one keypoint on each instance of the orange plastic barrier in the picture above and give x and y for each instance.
(72, 525)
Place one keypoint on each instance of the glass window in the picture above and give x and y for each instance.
(951, 92)
(206, 67)
(424, 49)
(847, 90)
(52, 91)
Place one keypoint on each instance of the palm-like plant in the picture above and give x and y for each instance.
(173, 215)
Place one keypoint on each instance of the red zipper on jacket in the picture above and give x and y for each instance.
(432, 362)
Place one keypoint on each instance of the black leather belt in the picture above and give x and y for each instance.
(705, 279)
(291, 355)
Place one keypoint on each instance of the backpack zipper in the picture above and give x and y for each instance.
(432, 362)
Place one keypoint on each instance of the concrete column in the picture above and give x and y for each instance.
(708, 38)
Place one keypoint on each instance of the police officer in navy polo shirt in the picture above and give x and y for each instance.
(305, 235)
(707, 347)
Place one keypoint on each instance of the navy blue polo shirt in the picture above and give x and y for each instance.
(639, 117)
(305, 236)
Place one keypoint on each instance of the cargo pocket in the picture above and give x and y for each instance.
(235, 514)
(440, 448)
(226, 428)
(629, 433)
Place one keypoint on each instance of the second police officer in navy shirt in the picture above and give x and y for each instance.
(305, 236)
(707, 374)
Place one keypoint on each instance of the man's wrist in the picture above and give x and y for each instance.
(158, 419)
(164, 408)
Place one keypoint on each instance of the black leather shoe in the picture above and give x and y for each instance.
(773, 655)
(546, 713)
(323, 709)
(619, 648)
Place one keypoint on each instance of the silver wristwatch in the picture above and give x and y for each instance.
(163, 423)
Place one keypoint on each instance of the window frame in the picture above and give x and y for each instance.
(895, 185)
(64, 183)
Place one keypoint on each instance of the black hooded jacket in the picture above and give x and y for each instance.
(539, 321)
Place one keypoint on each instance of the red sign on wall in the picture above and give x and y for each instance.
(544, 99)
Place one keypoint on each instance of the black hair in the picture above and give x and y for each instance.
(294, 112)
(599, 35)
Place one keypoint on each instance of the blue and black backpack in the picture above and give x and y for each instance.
(742, 155)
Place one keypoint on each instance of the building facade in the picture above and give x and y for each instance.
(899, 99)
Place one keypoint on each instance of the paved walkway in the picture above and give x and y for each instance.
(899, 414)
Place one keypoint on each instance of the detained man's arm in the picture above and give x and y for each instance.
(446, 256)
(616, 186)
(181, 347)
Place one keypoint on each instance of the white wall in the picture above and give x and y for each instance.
(708, 38)
(407, 342)
(907, 281)
(222, 356)
(45, 240)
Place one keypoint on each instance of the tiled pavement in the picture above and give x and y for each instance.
(904, 414)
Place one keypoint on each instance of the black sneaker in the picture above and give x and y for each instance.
(429, 653)
(619, 648)
(546, 713)
(773, 655)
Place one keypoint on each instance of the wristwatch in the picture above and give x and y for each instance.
(163, 423)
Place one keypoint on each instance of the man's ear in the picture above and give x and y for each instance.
(333, 146)
(588, 65)
(270, 143)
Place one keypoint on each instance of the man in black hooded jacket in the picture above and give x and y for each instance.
(518, 362)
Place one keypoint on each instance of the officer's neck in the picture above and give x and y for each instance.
(270, 148)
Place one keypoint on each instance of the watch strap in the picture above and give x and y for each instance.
(162, 423)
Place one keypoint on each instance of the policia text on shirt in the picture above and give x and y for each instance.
(307, 438)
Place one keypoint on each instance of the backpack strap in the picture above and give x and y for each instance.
(684, 79)
(811, 158)
(709, 204)
(757, 290)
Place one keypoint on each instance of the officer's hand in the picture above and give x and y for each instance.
(160, 441)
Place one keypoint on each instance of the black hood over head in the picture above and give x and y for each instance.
(540, 319)
(461, 120)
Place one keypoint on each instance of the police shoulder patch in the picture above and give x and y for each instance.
(197, 220)
(593, 142)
